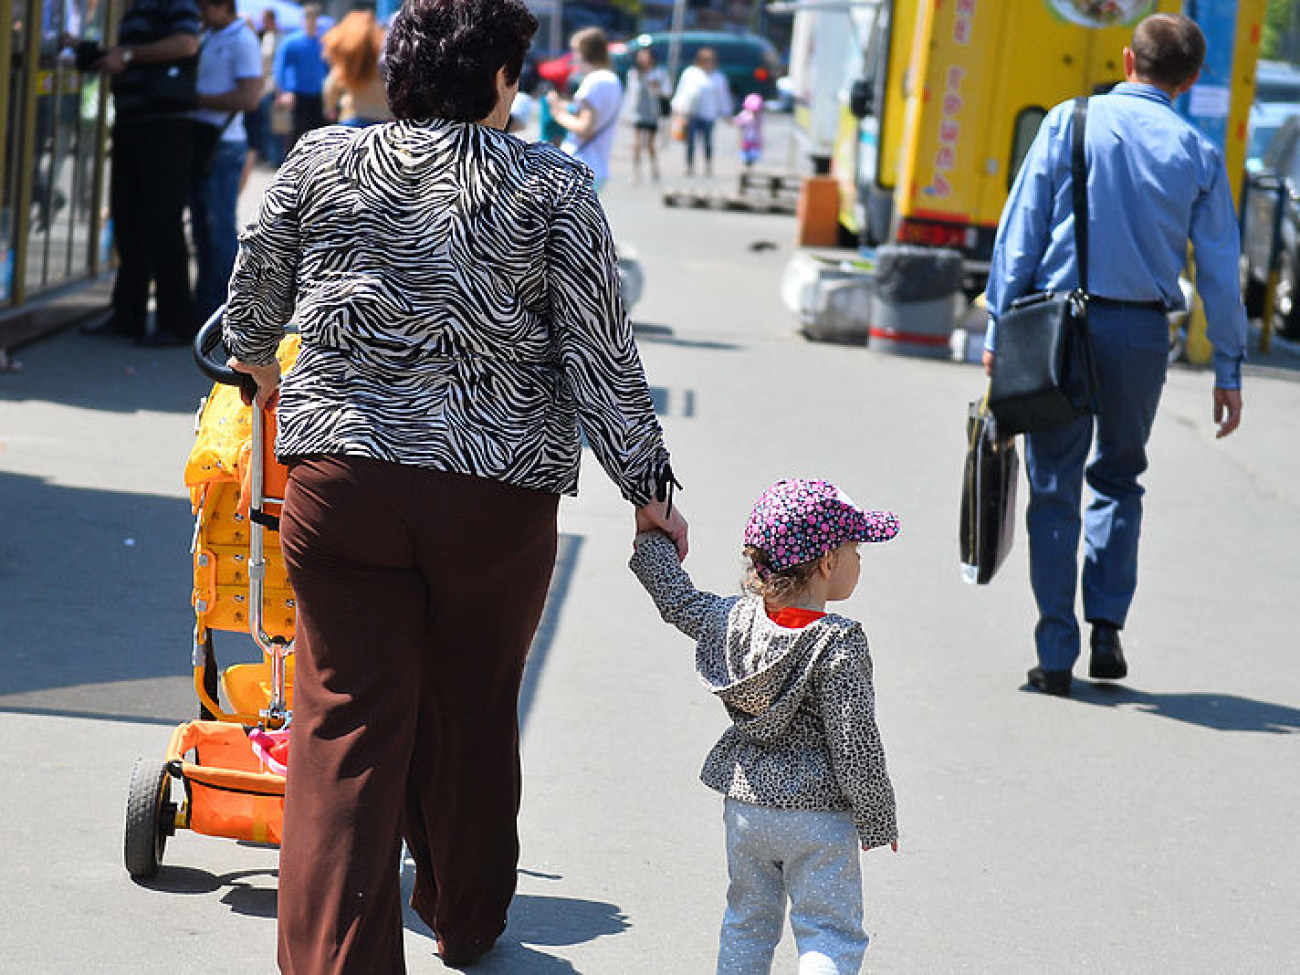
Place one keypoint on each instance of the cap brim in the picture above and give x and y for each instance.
(880, 526)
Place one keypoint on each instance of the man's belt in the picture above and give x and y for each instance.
(1123, 304)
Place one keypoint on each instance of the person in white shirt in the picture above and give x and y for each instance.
(702, 97)
(229, 84)
(648, 86)
(592, 117)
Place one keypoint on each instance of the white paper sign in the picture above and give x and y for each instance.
(1210, 101)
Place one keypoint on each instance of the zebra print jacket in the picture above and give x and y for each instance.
(457, 295)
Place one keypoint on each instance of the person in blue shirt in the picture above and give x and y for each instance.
(299, 72)
(1154, 182)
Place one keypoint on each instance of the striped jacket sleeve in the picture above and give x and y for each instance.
(264, 285)
(594, 340)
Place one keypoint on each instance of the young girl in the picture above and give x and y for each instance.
(801, 766)
(750, 124)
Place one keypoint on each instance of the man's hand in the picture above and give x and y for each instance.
(1227, 410)
(988, 363)
(112, 62)
(654, 517)
(285, 99)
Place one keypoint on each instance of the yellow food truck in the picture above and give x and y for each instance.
(953, 92)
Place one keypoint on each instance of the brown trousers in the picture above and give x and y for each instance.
(418, 594)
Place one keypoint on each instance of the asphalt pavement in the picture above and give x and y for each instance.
(1145, 827)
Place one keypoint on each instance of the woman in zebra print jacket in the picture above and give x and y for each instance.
(457, 295)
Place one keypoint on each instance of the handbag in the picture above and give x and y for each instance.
(1043, 369)
(988, 496)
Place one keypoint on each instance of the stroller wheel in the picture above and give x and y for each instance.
(150, 818)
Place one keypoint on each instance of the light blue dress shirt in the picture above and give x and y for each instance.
(1153, 183)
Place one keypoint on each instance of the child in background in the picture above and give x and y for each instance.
(802, 766)
(750, 123)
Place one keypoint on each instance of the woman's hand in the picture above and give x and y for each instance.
(656, 517)
(267, 378)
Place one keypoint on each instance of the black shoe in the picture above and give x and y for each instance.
(111, 325)
(163, 340)
(1054, 682)
(1107, 661)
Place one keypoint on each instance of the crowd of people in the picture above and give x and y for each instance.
(202, 95)
(255, 89)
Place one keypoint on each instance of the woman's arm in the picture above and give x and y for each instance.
(598, 357)
(580, 123)
(264, 285)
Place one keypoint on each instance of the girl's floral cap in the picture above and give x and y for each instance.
(801, 519)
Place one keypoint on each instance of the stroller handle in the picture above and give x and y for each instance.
(210, 354)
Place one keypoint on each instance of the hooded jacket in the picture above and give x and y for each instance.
(803, 729)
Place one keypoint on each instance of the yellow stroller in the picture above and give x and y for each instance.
(229, 763)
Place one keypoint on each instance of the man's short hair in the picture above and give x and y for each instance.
(311, 10)
(592, 46)
(1168, 49)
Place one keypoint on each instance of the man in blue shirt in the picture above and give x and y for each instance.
(300, 71)
(1154, 182)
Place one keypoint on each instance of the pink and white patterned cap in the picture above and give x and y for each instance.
(799, 520)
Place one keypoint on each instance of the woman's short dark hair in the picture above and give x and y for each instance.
(1168, 49)
(441, 57)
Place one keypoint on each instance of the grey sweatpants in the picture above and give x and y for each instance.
(809, 856)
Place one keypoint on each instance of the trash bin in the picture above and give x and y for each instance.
(915, 301)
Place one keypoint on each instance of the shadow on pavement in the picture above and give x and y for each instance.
(242, 896)
(108, 374)
(1218, 712)
(96, 612)
(664, 335)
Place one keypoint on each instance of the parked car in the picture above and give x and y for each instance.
(1277, 98)
(1266, 119)
(1276, 181)
(750, 63)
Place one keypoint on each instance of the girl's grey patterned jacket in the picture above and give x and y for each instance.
(803, 732)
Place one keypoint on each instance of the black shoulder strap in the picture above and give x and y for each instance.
(1079, 185)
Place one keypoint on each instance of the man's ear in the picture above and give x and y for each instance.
(1186, 86)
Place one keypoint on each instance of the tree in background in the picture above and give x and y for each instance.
(1281, 32)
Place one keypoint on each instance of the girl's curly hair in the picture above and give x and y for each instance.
(441, 57)
(779, 586)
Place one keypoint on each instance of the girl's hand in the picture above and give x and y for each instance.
(267, 378)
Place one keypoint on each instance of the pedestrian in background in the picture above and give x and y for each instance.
(354, 90)
(749, 120)
(457, 296)
(300, 76)
(802, 766)
(153, 71)
(648, 87)
(229, 84)
(1154, 182)
(702, 97)
(263, 143)
(591, 119)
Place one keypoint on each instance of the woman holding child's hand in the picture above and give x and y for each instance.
(457, 295)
